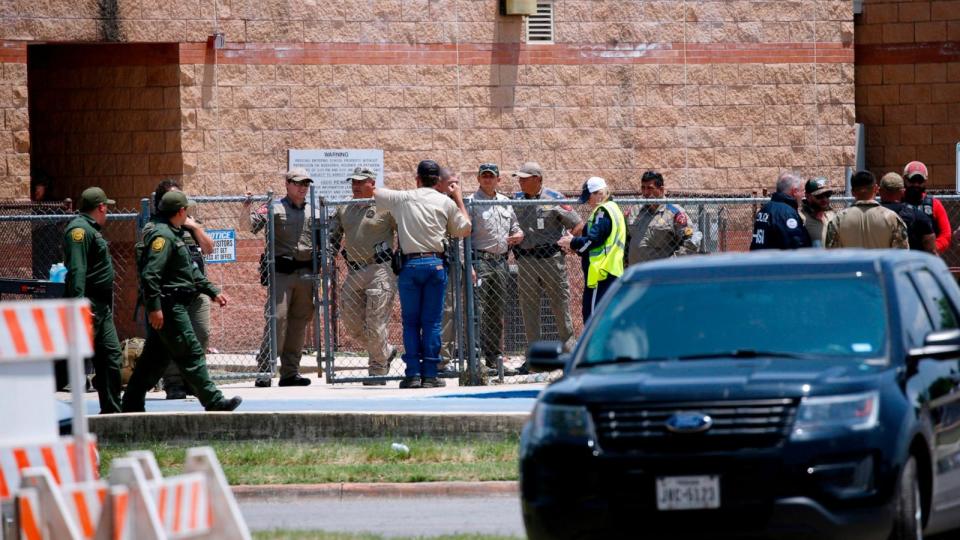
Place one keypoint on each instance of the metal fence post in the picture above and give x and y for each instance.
(272, 289)
(144, 216)
(471, 311)
(326, 284)
(454, 277)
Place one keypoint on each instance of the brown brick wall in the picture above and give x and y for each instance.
(721, 95)
(908, 85)
(15, 135)
(105, 117)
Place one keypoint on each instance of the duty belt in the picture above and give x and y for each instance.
(183, 296)
(287, 265)
(486, 255)
(541, 252)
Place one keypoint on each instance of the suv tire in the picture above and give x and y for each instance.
(908, 521)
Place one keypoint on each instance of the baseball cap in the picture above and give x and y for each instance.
(592, 185)
(362, 173)
(175, 200)
(891, 182)
(915, 168)
(489, 167)
(818, 186)
(428, 167)
(93, 197)
(530, 168)
(299, 174)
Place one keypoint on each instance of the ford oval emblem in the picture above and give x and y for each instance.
(689, 422)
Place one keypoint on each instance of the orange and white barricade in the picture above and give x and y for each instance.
(52, 480)
(196, 504)
(58, 457)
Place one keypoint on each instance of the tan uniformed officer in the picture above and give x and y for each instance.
(293, 249)
(425, 217)
(367, 295)
(658, 231)
(815, 209)
(866, 224)
(542, 266)
(495, 231)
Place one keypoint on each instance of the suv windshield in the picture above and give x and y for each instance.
(796, 317)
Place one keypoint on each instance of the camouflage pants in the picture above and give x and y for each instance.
(366, 305)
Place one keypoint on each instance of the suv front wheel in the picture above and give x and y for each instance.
(908, 522)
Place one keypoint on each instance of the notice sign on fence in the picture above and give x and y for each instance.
(224, 246)
(330, 169)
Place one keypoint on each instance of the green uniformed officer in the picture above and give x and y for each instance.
(658, 231)
(368, 293)
(198, 242)
(542, 266)
(90, 275)
(169, 282)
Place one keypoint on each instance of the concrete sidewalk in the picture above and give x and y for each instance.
(323, 411)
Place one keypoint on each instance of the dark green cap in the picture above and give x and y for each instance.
(92, 198)
(173, 201)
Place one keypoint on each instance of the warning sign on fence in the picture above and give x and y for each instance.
(224, 246)
(329, 169)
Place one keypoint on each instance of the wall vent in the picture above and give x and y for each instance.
(540, 26)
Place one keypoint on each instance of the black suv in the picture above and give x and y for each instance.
(785, 395)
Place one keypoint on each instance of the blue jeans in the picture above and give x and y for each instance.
(421, 285)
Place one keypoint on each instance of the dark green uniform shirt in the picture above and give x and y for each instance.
(168, 269)
(87, 258)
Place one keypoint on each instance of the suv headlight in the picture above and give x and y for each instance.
(561, 422)
(832, 415)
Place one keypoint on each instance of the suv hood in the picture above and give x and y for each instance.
(714, 379)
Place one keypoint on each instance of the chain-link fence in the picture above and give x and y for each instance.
(495, 304)
(31, 240)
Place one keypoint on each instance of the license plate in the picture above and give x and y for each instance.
(688, 492)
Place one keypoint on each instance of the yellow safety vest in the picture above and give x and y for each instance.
(607, 260)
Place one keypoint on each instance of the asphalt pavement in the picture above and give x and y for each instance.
(390, 517)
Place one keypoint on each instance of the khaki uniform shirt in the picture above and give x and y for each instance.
(866, 224)
(660, 233)
(292, 228)
(815, 227)
(492, 224)
(364, 230)
(544, 225)
(424, 218)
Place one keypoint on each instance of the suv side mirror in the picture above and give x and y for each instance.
(941, 344)
(546, 356)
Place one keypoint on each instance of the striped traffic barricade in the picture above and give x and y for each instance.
(59, 457)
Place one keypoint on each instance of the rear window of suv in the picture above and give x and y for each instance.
(817, 316)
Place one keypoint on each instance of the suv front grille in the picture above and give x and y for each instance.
(632, 428)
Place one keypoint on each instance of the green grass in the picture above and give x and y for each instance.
(269, 462)
(320, 535)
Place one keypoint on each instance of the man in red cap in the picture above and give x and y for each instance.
(915, 174)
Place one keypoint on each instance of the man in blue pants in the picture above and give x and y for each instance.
(424, 217)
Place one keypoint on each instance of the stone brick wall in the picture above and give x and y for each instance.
(718, 94)
(105, 115)
(908, 85)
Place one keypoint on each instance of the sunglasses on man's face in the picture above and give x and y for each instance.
(823, 196)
